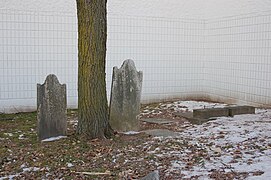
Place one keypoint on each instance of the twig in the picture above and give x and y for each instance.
(94, 173)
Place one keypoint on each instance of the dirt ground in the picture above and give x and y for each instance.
(124, 156)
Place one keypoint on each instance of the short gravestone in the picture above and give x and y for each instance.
(189, 116)
(210, 112)
(51, 108)
(125, 97)
(238, 110)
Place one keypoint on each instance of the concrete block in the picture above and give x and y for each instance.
(210, 112)
(237, 110)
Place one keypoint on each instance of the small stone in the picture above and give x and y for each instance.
(152, 176)
(69, 165)
(237, 156)
(249, 161)
(217, 150)
(237, 151)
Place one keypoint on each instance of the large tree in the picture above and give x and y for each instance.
(93, 119)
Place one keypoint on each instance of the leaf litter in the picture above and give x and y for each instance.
(236, 147)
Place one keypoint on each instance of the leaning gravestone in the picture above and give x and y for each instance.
(125, 97)
(51, 108)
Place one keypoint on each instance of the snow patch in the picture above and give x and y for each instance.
(53, 138)
(31, 169)
(130, 132)
(8, 134)
(239, 144)
(69, 165)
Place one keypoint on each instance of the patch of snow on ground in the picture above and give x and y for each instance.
(53, 138)
(8, 134)
(130, 132)
(69, 165)
(9, 177)
(22, 136)
(29, 169)
(244, 142)
(240, 145)
(190, 105)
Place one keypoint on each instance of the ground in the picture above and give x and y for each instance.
(225, 148)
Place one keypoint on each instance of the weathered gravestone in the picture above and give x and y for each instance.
(51, 108)
(238, 110)
(210, 112)
(125, 97)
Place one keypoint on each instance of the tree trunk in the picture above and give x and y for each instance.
(93, 119)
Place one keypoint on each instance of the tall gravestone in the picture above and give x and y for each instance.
(125, 97)
(51, 108)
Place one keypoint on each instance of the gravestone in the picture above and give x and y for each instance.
(210, 112)
(189, 116)
(51, 108)
(125, 97)
(238, 110)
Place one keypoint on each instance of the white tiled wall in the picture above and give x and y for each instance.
(33, 45)
(238, 58)
(227, 59)
(168, 51)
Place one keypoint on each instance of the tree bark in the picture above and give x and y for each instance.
(93, 119)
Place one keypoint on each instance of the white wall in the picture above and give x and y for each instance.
(159, 8)
(155, 8)
(238, 59)
(186, 49)
(238, 51)
(40, 37)
(40, 5)
(32, 46)
(226, 8)
(168, 51)
(191, 9)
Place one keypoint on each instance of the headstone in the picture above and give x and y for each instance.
(152, 176)
(210, 113)
(125, 97)
(237, 110)
(200, 116)
(189, 116)
(51, 108)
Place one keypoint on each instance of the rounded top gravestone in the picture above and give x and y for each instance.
(51, 108)
(125, 97)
